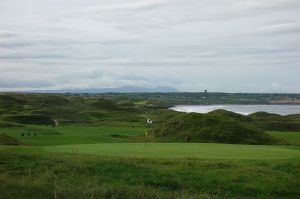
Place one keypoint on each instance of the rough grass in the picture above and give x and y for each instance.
(275, 122)
(292, 138)
(36, 119)
(30, 173)
(7, 140)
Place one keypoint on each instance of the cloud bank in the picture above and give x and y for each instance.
(192, 45)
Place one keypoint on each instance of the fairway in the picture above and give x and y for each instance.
(182, 150)
(114, 141)
(64, 135)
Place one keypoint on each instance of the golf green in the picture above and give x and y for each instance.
(181, 150)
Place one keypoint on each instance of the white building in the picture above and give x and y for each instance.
(149, 121)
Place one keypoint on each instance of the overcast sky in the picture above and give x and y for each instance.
(191, 45)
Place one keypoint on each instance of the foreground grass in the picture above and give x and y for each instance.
(88, 162)
(30, 173)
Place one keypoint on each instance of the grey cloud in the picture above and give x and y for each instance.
(279, 29)
(37, 56)
(220, 45)
(57, 43)
(8, 34)
(15, 44)
(131, 6)
(21, 84)
(190, 11)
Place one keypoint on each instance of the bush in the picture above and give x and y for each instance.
(30, 119)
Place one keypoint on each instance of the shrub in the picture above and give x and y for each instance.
(30, 119)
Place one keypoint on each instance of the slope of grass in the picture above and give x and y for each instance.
(225, 113)
(275, 122)
(196, 127)
(292, 138)
(36, 119)
(264, 120)
(106, 104)
(7, 140)
(7, 101)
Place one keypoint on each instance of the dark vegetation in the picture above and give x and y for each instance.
(44, 109)
(264, 120)
(276, 122)
(229, 114)
(105, 104)
(30, 119)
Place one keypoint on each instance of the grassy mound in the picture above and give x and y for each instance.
(222, 112)
(264, 120)
(7, 140)
(53, 100)
(195, 127)
(7, 101)
(275, 122)
(105, 104)
(9, 124)
(30, 119)
(265, 116)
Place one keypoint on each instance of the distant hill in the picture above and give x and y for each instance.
(124, 89)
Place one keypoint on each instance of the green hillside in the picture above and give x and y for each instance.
(30, 119)
(8, 140)
(275, 122)
(195, 127)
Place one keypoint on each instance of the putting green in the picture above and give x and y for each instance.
(181, 150)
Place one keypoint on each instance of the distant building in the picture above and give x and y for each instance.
(149, 121)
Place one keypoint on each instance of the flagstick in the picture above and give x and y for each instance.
(146, 134)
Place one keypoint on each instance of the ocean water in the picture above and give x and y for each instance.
(241, 109)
